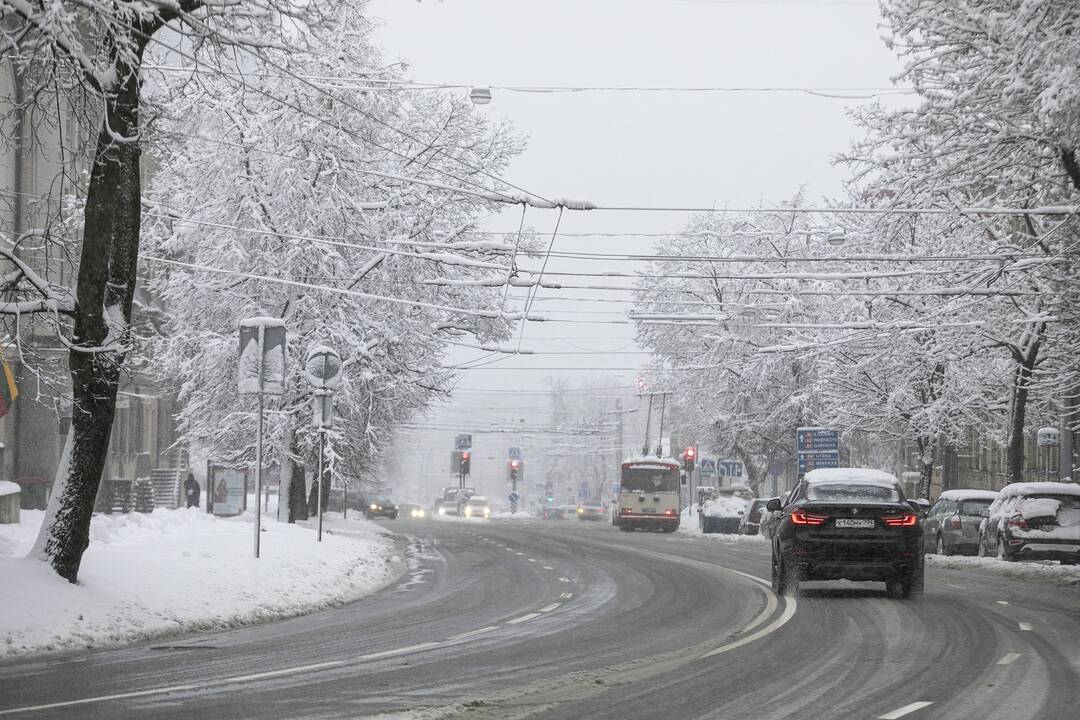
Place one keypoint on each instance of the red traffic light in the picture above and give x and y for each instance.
(514, 464)
(690, 452)
(465, 455)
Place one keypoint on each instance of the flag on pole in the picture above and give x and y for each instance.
(8, 389)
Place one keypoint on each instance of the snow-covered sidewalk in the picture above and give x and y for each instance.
(1041, 572)
(176, 571)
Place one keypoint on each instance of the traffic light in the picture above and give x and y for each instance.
(515, 465)
(466, 456)
(689, 456)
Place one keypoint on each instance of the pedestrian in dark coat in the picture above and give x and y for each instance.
(192, 490)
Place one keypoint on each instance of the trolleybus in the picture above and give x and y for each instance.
(648, 498)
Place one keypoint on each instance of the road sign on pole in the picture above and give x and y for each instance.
(817, 447)
(513, 498)
(463, 442)
(515, 453)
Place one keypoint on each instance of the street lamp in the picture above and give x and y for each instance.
(480, 95)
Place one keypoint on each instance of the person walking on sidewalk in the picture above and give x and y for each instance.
(192, 491)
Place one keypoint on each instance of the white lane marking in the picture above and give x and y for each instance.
(567, 596)
(471, 633)
(532, 559)
(549, 608)
(398, 651)
(906, 710)
(789, 612)
(548, 567)
(100, 698)
(286, 671)
(565, 580)
(519, 553)
(172, 688)
(523, 618)
(1002, 602)
(1025, 626)
(1009, 659)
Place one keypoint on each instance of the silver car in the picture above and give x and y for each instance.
(952, 524)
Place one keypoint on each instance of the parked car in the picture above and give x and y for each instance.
(751, 519)
(952, 524)
(1033, 521)
(922, 505)
(848, 523)
(769, 518)
(381, 508)
(476, 506)
(591, 510)
(723, 513)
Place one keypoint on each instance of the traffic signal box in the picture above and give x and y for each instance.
(689, 458)
(466, 460)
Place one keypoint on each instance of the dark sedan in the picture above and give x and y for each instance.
(382, 508)
(848, 523)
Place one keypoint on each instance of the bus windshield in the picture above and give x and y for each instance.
(650, 479)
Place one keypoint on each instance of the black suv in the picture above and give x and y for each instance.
(847, 523)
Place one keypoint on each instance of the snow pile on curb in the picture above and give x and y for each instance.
(176, 571)
(1065, 575)
(688, 525)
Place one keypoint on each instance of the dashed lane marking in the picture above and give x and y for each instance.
(523, 618)
(532, 559)
(1009, 659)
(1025, 626)
(472, 633)
(1002, 602)
(552, 606)
(565, 580)
(906, 710)
(398, 651)
(567, 596)
(548, 567)
(172, 688)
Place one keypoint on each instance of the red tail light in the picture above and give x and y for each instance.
(1018, 521)
(626, 511)
(801, 517)
(904, 520)
(669, 512)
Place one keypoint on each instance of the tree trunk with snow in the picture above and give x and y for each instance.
(1014, 451)
(106, 285)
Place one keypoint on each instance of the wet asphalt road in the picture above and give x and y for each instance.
(568, 619)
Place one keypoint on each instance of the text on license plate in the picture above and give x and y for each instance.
(855, 522)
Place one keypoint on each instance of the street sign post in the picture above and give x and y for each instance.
(817, 447)
(513, 498)
(463, 442)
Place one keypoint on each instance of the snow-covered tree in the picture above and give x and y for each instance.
(92, 54)
(323, 196)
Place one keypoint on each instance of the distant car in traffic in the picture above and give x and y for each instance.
(476, 507)
(952, 524)
(412, 510)
(724, 513)
(381, 508)
(848, 523)
(1033, 521)
(551, 512)
(922, 505)
(751, 519)
(591, 510)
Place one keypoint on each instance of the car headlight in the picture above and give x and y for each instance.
(374, 507)
(487, 512)
(442, 511)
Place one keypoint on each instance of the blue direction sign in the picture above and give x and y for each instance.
(513, 498)
(813, 460)
(815, 439)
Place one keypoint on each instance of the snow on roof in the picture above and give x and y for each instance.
(650, 459)
(849, 475)
(1032, 488)
(962, 494)
(263, 321)
(9, 488)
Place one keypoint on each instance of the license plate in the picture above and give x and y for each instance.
(855, 522)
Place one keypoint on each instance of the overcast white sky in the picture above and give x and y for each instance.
(702, 149)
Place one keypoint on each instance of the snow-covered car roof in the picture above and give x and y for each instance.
(1039, 488)
(477, 499)
(733, 488)
(850, 475)
(725, 506)
(962, 494)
